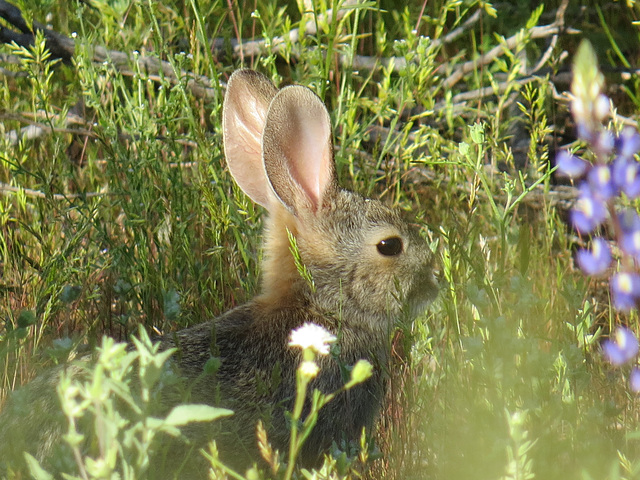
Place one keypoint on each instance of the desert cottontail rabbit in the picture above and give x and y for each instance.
(365, 263)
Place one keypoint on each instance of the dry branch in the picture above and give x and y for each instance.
(36, 129)
(509, 44)
(63, 47)
(6, 188)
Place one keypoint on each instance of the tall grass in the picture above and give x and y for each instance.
(120, 212)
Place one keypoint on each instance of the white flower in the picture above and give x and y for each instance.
(309, 369)
(312, 336)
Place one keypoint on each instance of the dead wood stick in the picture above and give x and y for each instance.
(509, 44)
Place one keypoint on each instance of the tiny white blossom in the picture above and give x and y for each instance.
(312, 336)
(309, 369)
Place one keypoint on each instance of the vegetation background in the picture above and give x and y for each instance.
(116, 209)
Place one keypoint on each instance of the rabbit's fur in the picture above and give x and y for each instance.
(278, 146)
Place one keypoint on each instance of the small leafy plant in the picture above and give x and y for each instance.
(110, 407)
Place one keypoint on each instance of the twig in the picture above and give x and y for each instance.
(559, 20)
(36, 129)
(277, 44)
(456, 32)
(486, 91)
(562, 197)
(510, 43)
(63, 47)
(6, 189)
(368, 62)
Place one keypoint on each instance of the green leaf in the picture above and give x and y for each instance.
(476, 131)
(70, 293)
(36, 471)
(26, 318)
(184, 414)
(171, 304)
(212, 366)
(535, 16)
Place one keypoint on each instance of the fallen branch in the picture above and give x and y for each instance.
(63, 47)
(509, 44)
(36, 129)
(6, 188)
(368, 62)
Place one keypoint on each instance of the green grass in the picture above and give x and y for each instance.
(129, 217)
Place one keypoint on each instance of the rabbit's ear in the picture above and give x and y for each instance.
(246, 102)
(298, 150)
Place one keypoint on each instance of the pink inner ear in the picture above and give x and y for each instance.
(245, 111)
(311, 162)
(297, 149)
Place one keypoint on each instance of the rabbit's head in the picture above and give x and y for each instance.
(364, 260)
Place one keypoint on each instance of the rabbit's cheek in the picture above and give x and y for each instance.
(373, 290)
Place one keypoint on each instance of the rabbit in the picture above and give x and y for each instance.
(367, 265)
(364, 260)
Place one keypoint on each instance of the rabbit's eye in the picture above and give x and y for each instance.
(390, 247)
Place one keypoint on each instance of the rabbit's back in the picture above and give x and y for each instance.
(256, 378)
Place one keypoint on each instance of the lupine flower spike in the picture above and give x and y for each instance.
(611, 172)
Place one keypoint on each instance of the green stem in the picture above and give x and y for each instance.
(294, 444)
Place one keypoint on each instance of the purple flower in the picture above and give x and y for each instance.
(630, 238)
(625, 290)
(628, 143)
(570, 165)
(585, 130)
(629, 220)
(623, 348)
(600, 181)
(626, 176)
(601, 107)
(630, 243)
(589, 212)
(596, 260)
(634, 379)
(604, 142)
